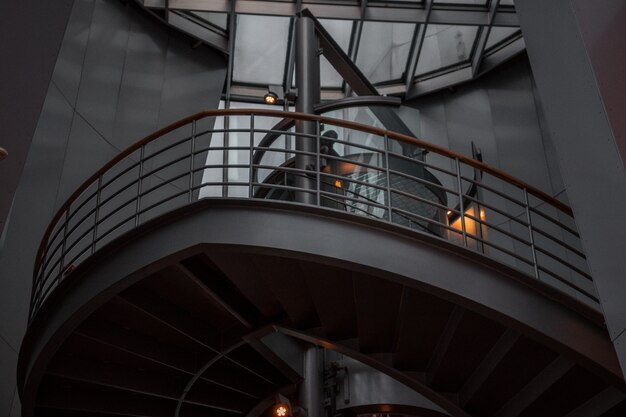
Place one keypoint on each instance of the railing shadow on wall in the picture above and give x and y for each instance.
(354, 168)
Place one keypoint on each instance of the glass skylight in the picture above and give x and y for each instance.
(384, 49)
(397, 44)
(260, 49)
(445, 46)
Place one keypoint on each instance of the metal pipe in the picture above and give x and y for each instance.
(308, 85)
(310, 396)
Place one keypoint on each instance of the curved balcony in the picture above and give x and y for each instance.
(363, 170)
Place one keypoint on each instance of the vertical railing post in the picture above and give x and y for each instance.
(64, 244)
(461, 205)
(388, 173)
(139, 185)
(251, 155)
(318, 165)
(94, 236)
(192, 156)
(530, 233)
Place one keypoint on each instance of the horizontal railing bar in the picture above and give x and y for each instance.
(423, 181)
(420, 199)
(280, 187)
(80, 206)
(166, 165)
(560, 242)
(118, 192)
(119, 174)
(166, 182)
(346, 206)
(408, 213)
(563, 262)
(166, 148)
(354, 200)
(114, 228)
(498, 229)
(501, 249)
(555, 222)
(115, 211)
(423, 163)
(497, 210)
(482, 185)
(569, 284)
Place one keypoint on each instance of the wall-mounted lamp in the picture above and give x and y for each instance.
(276, 93)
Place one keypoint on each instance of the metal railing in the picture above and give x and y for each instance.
(360, 169)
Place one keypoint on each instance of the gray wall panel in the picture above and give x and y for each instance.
(106, 93)
(16, 410)
(104, 64)
(191, 80)
(33, 207)
(516, 127)
(31, 32)
(8, 362)
(139, 102)
(566, 41)
(68, 69)
(86, 152)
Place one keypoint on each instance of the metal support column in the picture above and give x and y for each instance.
(310, 397)
(308, 84)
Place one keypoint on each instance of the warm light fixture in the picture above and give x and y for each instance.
(281, 410)
(338, 184)
(449, 212)
(270, 98)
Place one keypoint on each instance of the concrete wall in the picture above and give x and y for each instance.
(119, 76)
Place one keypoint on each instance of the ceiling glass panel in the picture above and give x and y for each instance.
(463, 2)
(507, 3)
(260, 49)
(340, 30)
(384, 50)
(498, 34)
(444, 46)
(218, 19)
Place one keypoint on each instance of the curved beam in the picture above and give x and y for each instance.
(298, 116)
(402, 377)
(202, 370)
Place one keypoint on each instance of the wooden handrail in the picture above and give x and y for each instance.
(297, 116)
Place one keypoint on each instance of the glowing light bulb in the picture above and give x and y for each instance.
(281, 410)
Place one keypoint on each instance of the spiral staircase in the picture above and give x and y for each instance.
(161, 305)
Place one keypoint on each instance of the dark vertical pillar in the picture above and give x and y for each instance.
(311, 388)
(577, 51)
(308, 84)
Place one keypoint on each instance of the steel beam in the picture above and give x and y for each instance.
(487, 366)
(308, 85)
(444, 343)
(537, 386)
(483, 36)
(600, 404)
(212, 296)
(416, 48)
(459, 15)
